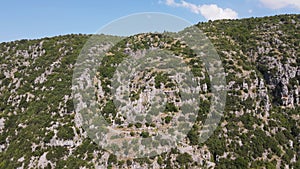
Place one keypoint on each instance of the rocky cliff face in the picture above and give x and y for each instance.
(259, 129)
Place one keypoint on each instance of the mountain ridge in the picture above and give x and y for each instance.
(260, 127)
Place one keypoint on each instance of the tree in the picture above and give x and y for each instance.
(184, 158)
(193, 136)
(112, 159)
(145, 134)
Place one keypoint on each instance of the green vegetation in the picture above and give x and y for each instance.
(259, 126)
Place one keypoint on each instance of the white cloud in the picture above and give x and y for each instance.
(170, 2)
(210, 12)
(213, 12)
(277, 4)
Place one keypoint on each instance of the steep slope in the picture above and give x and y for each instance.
(260, 127)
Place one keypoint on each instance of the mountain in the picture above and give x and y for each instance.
(259, 127)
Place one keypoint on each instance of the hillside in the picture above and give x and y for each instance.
(259, 129)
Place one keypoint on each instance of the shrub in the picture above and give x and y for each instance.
(184, 158)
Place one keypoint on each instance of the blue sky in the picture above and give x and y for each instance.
(36, 18)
